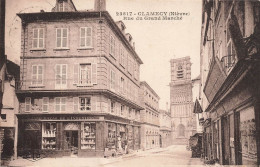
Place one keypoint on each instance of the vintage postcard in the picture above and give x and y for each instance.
(129, 82)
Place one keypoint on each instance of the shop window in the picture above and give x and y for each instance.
(88, 135)
(49, 135)
(85, 103)
(111, 140)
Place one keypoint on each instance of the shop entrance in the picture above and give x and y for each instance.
(71, 138)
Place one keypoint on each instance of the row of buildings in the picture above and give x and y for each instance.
(78, 90)
(229, 91)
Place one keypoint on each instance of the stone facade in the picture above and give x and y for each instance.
(149, 117)
(165, 128)
(79, 76)
(230, 82)
(181, 100)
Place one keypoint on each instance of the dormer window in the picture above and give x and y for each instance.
(62, 5)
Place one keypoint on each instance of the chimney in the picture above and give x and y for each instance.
(100, 5)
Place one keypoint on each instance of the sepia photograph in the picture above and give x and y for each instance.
(129, 83)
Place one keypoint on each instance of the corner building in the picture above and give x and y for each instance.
(183, 124)
(78, 93)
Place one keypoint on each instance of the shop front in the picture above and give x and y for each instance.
(75, 135)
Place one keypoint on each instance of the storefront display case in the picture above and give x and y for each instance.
(88, 135)
(49, 135)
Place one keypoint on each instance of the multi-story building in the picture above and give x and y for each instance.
(230, 81)
(79, 84)
(149, 117)
(165, 128)
(181, 104)
(9, 108)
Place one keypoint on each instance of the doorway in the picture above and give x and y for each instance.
(71, 141)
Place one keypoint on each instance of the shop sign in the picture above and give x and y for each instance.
(62, 118)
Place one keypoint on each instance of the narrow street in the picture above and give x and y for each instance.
(174, 155)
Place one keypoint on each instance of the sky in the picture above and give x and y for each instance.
(156, 41)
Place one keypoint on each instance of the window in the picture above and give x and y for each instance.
(3, 116)
(85, 37)
(88, 138)
(112, 46)
(122, 109)
(48, 135)
(85, 74)
(122, 56)
(122, 85)
(27, 104)
(62, 7)
(38, 38)
(60, 104)
(62, 37)
(37, 75)
(113, 80)
(113, 105)
(85, 104)
(45, 104)
(61, 75)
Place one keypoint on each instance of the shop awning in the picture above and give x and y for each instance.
(197, 107)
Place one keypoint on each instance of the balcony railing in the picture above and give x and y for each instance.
(228, 61)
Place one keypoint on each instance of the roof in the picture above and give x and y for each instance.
(48, 16)
(12, 69)
(149, 87)
(181, 58)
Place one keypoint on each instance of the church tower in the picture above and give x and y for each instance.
(181, 100)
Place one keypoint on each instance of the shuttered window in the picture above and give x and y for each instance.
(76, 103)
(85, 74)
(85, 37)
(27, 104)
(112, 44)
(60, 104)
(45, 104)
(38, 38)
(112, 80)
(61, 37)
(60, 75)
(37, 74)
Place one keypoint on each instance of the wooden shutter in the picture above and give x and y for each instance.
(34, 74)
(76, 104)
(35, 38)
(94, 73)
(76, 74)
(109, 106)
(89, 37)
(58, 37)
(41, 38)
(93, 104)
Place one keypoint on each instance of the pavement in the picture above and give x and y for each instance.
(174, 155)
